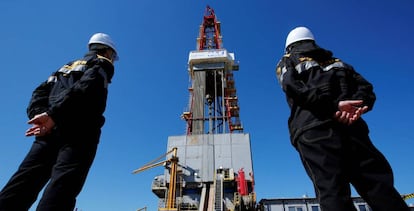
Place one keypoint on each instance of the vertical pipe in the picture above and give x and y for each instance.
(173, 178)
(210, 116)
(223, 105)
(215, 101)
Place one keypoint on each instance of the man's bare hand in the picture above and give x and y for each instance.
(349, 111)
(42, 124)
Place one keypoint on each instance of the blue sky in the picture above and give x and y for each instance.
(149, 89)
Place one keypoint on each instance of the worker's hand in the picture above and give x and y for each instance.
(349, 111)
(42, 124)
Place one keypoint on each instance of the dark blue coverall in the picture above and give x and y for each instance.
(75, 98)
(334, 154)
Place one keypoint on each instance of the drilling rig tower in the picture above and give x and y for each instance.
(209, 168)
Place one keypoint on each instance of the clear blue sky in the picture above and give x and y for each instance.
(149, 89)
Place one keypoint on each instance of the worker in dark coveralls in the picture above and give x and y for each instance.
(66, 114)
(327, 98)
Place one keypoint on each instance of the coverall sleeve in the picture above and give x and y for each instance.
(364, 89)
(39, 101)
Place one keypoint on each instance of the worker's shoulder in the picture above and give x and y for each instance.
(282, 61)
(78, 65)
(96, 59)
(286, 55)
(103, 59)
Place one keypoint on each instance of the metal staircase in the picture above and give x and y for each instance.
(218, 200)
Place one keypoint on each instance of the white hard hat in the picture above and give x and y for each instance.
(298, 34)
(102, 38)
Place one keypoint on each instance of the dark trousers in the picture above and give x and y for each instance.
(335, 157)
(64, 165)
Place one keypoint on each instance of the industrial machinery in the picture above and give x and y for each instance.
(172, 164)
(215, 170)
